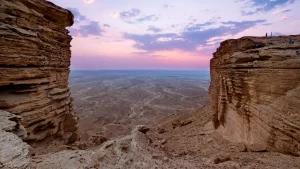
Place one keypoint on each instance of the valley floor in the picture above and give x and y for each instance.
(112, 102)
(185, 141)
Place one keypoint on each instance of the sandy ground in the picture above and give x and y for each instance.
(111, 103)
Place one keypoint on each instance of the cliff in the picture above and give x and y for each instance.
(254, 93)
(34, 67)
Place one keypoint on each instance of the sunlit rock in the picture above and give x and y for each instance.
(34, 67)
(254, 92)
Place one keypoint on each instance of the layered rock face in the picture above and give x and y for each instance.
(34, 67)
(255, 92)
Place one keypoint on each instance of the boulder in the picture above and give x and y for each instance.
(14, 153)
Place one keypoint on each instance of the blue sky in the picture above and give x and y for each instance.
(165, 34)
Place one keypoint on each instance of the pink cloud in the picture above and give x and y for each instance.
(278, 11)
(89, 1)
(283, 18)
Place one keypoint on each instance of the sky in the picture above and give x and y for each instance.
(168, 34)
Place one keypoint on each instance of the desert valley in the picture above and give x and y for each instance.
(114, 102)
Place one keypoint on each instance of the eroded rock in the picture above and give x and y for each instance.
(142, 128)
(222, 159)
(96, 140)
(77, 159)
(34, 67)
(14, 153)
(254, 92)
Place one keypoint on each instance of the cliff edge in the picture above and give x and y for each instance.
(34, 67)
(254, 92)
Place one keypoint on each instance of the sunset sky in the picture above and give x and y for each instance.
(169, 34)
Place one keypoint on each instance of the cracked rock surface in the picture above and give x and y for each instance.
(14, 153)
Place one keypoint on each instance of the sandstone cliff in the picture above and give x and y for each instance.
(254, 93)
(34, 67)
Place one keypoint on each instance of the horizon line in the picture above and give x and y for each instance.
(143, 69)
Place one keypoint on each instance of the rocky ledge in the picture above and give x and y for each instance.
(14, 153)
(34, 67)
(254, 92)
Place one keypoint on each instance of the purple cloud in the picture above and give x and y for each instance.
(154, 29)
(90, 29)
(77, 15)
(86, 28)
(258, 6)
(129, 14)
(190, 38)
(148, 18)
(287, 10)
(198, 27)
(267, 24)
(168, 6)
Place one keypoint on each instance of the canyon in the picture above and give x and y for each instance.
(251, 121)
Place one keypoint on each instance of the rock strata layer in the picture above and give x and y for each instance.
(34, 67)
(254, 92)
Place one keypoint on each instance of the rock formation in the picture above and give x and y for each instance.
(129, 152)
(254, 93)
(34, 67)
(14, 153)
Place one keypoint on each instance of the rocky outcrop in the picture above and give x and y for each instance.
(132, 151)
(14, 153)
(34, 67)
(254, 92)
